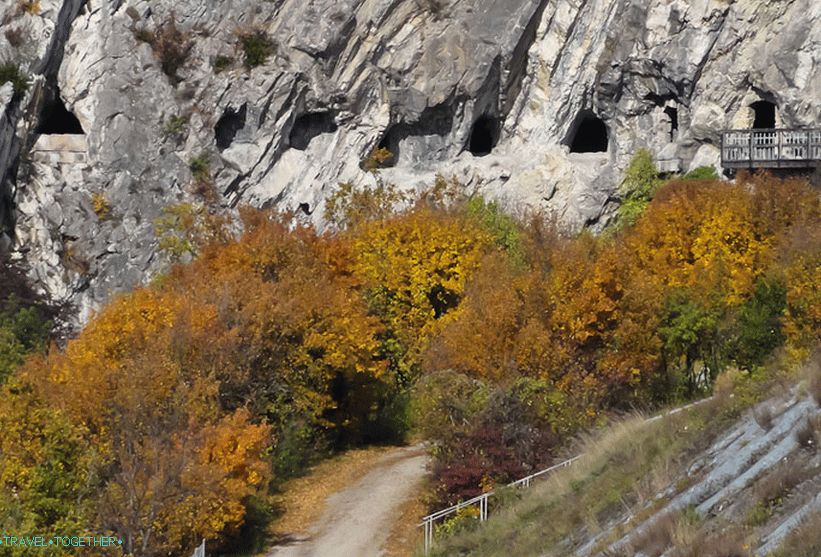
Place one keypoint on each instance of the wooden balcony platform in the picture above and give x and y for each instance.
(771, 148)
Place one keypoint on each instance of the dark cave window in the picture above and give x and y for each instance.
(588, 134)
(308, 126)
(764, 114)
(305, 208)
(228, 125)
(672, 113)
(483, 136)
(377, 157)
(56, 119)
(428, 132)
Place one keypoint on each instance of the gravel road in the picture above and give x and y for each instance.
(357, 520)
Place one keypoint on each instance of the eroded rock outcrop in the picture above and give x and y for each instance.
(494, 93)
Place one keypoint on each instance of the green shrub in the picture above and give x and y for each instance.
(690, 334)
(200, 168)
(221, 63)
(504, 228)
(702, 173)
(257, 47)
(184, 229)
(11, 73)
(23, 329)
(758, 328)
(349, 206)
(176, 126)
(444, 402)
(637, 188)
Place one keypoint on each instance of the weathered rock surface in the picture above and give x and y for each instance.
(431, 80)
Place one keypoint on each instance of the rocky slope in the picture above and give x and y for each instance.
(491, 92)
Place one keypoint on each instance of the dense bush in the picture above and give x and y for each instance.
(505, 441)
(638, 186)
(11, 73)
(257, 47)
(25, 318)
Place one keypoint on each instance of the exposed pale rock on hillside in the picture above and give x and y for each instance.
(491, 92)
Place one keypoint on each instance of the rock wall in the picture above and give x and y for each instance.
(431, 80)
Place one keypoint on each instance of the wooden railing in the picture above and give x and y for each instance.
(771, 148)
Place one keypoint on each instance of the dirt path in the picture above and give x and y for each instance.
(358, 520)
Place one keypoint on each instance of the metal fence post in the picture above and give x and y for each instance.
(200, 550)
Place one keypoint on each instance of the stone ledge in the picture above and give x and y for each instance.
(61, 143)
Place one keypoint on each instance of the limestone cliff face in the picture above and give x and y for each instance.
(490, 91)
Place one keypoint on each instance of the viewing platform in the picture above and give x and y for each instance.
(771, 148)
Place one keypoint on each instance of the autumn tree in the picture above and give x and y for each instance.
(413, 268)
(48, 471)
(141, 382)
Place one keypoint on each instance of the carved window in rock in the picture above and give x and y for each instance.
(483, 136)
(763, 115)
(308, 126)
(672, 121)
(588, 134)
(55, 118)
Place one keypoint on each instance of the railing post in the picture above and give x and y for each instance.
(752, 133)
(428, 535)
(722, 148)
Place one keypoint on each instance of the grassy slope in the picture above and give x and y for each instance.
(616, 486)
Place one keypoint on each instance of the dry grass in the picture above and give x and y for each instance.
(813, 374)
(684, 534)
(720, 544)
(31, 7)
(808, 433)
(780, 482)
(303, 499)
(657, 537)
(16, 36)
(804, 541)
(763, 416)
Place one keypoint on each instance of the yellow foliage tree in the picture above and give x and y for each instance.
(414, 268)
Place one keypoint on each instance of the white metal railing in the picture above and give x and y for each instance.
(200, 550)
(770, 147)
(429, 522)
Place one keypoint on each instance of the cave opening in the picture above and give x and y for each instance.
(672, 114)
(483, 136)
(763, 115)
(56, 119)
(228, 125)
(588, 134)
(383, 155)
(308, 126)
